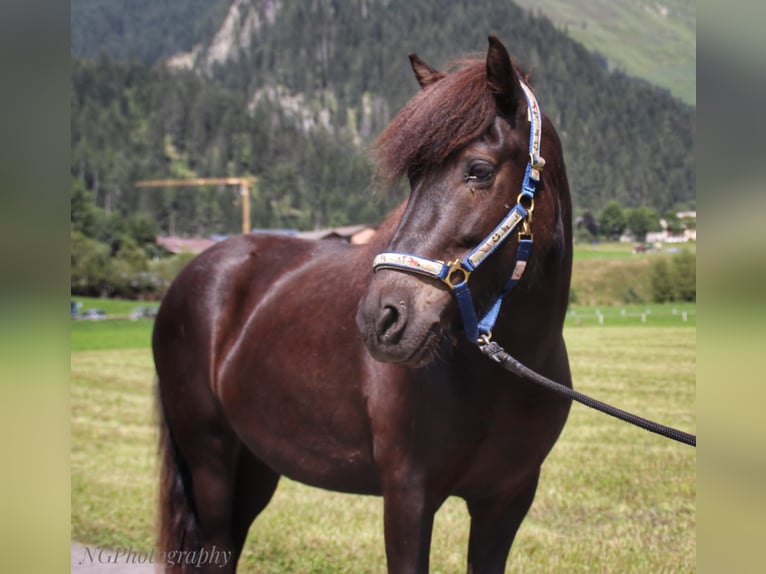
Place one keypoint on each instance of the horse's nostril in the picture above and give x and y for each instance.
(390, 324)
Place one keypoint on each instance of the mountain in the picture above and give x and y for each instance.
(649, 39)
(294, 92)
(143, 30)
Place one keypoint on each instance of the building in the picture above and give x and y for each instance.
(353, 234)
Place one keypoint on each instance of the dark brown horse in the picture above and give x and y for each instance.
(278, 356)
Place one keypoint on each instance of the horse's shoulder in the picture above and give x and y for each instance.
(256, 246)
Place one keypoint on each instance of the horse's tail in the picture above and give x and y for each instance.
(178, 529)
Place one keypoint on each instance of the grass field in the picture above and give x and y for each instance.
(612, 498)
(655, 315)
(117, 332)
(137, 334)
(622, 250)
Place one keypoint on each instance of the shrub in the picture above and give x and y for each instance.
(684, 276)
(573, 297)
(165, 270)
(89, 266)
(674, 279)
(661, 282)
(631, 297)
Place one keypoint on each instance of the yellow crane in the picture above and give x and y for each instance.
(245, 185)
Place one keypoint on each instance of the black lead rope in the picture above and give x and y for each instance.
(499, 355)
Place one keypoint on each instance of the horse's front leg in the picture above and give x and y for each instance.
(494, 522)
(408, 518)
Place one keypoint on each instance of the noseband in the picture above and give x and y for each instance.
(456, 274)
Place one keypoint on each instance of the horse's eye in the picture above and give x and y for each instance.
(479, 172)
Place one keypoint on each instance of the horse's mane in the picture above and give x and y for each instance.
(440, 119)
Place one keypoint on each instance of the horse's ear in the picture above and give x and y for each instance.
(502, 80)
(424, 73)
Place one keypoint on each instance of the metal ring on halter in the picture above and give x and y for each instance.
(456, 274)
(485, 339)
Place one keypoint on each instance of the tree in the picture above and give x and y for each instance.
(343, 62)
(689, 222)
(673, 223)
(83, 214)
(89, 265)
(642, 220)
(612, 220)
(143, 230)
(586, 228)
(590, 223)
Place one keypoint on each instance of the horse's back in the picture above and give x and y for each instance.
(214, 295)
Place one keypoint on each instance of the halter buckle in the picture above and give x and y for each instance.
(456, 274)
(526, 232)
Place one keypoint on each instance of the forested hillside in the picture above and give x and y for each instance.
(144, 30)
(293, 92)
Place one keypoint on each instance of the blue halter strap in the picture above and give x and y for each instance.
(457, 273)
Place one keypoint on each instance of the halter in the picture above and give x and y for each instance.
(455, 274)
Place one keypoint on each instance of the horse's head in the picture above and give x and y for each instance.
(464, 143)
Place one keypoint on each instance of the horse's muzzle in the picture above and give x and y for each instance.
(401, 319)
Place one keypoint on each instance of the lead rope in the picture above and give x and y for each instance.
(500, 356)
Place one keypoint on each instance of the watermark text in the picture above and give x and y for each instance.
(128, 555)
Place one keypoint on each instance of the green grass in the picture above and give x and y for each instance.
(654, 315)
(612, 498)
(127, 334)
(111, 334)
(621, 250)
(610, 250)
(117, 331)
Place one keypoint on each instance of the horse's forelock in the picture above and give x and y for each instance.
(436, 122)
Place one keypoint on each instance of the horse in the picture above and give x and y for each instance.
(356, 368)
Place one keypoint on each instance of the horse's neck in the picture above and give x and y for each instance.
(386, 230)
